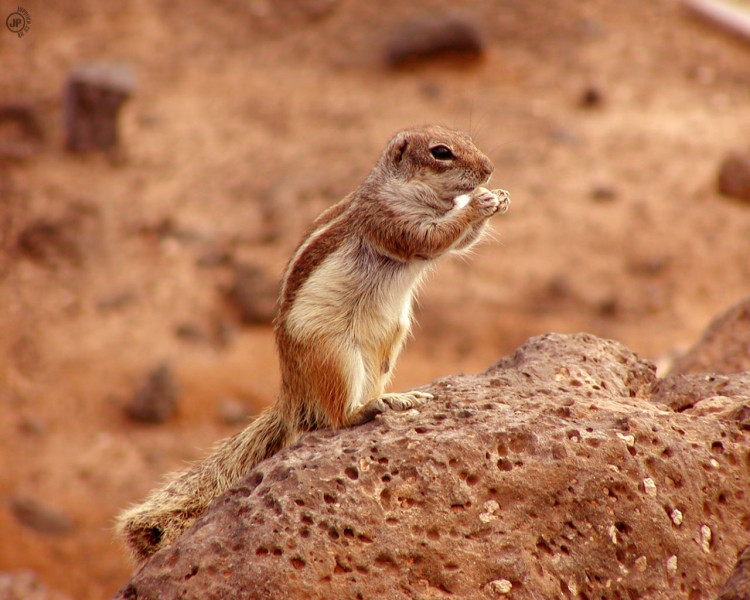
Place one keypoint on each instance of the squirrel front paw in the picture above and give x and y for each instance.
(486, 203)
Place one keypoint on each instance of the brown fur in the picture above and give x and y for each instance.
(344, 312)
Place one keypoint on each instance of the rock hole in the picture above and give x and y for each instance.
(565, 589)
(305, 533)
(391, 521)
(278, 552)
(667, 452)
(451, 567)
(433, 534)
(717, 448)
(623, 527)
(329, 498)
(298, 563)
(299, 502)
(364, 539)
(472, 479)
(564, 549)
(348, 532)
(543, 546)
(722, 498)
(352, 473)
(504, 464)
(422, 430)
(261, 551)
(339, 568)
(308, 520)
(193, 572)
(386, 478)
(333, 534)
(632, 450)
(452, 463)
(385, 496)
(620, 554)
(502, 449)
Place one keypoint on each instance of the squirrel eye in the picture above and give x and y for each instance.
(441, 152)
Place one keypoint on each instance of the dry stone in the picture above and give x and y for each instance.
(724, 347)
(526, 482)
(94, 94)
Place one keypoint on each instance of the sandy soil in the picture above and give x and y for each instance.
(249, 118)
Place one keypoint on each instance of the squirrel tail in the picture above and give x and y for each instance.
(169, 510)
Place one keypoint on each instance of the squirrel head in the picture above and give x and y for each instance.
(446, 160)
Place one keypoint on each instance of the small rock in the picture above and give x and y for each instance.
(253, 294)
(649, 487)
(641, 563)
(50, 242)
(26, 585)
(232, 411)
(591, 97)
(734, 176)
(40, 518)
(724, 347)
(676, 516)
(428, 38)
(706, 538)
(94, 94)
(155, 399)
(500, 586)
(603, 193)
(20, 132)
(672, 565)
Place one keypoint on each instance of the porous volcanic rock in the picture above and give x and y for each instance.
(554, 474)
(724, 347)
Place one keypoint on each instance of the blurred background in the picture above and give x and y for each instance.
(138, 270)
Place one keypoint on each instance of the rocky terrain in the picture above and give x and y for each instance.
(137, 283)
(565, 470)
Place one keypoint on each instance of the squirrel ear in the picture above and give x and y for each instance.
(398, 147)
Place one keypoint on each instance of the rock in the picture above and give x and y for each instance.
(51, 242)
(723, 348)
(527, 478)
(94, 95)
(591, 97)
(25, 585)
(20, 132)
(737, 586)
(40, 518)
(734, 176)
(231, 411)
(155, 399)
(253, 295)
(429, 38)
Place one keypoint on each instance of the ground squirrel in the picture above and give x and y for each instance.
(343, 313)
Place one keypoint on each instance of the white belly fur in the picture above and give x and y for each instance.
(354, 317)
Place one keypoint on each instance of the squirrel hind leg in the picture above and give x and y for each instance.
(393, 401)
